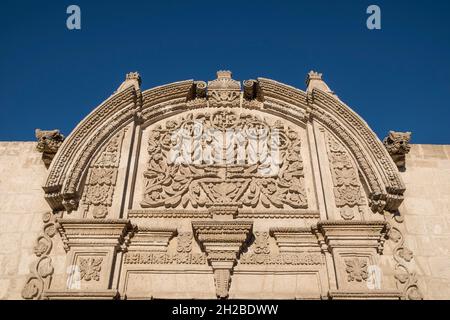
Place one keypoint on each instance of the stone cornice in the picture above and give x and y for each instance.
(94, 233)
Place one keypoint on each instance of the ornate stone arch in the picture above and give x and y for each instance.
(236, 231)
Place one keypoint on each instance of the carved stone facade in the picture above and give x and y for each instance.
(222, 189)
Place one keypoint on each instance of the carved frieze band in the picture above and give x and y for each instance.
(102, 177)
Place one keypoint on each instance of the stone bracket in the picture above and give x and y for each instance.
(222, 241)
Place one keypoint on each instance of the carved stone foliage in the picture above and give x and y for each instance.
(221, 165)
(397, 144)
(347, 189)
(184, 242)
(407, 281)
(42, 270)
(102, 177)
(49, 142)
(356, 269)
(90, 268)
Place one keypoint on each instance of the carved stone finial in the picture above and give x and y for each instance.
(397, 144)
(314, 80)
(49, 142)
(224, 91)
(131, 79)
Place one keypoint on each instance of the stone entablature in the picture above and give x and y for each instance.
(220, 182)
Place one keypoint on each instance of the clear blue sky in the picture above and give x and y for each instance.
(395, 78)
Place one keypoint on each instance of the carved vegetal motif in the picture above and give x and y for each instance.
(184, 242)
(102, 177)
(224, 157)
(397, 144)
(356, 269)
(90, 268)
(347, 190)
(222, 282)
(261, 244)
(406, 280)
(49, 142)
(42, 270)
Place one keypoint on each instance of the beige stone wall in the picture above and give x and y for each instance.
(426, 209)
(22, 205)
(427, 216)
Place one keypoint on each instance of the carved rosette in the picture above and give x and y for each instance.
(222, 241)
(102, 177)
(347, 189)
(221, 168)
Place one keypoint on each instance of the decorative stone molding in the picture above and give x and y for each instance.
(42, 270)
(77, 233)
(397, 144)
(151, 238)
(49, 142)
(364, 295)
(292, 239)
(133, 257)
(222, 241)
(111, 294)
(354, 234)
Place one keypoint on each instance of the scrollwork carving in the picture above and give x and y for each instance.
(42, 269)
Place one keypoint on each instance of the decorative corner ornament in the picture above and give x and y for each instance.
(397, 145)
(48, 143)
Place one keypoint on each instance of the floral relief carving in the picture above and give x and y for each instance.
(347, 190)
(406, 281)
(261, 244)
(42, 270)
(221, 168)
(356, 269)
(184, 242)
(90, 268)
(102, 177)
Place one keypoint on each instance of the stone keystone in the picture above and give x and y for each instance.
(222, 241)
